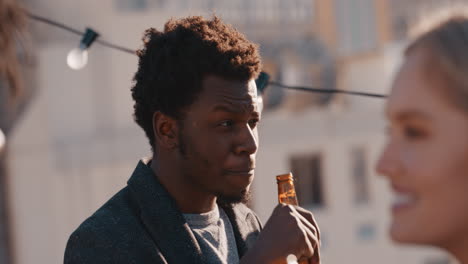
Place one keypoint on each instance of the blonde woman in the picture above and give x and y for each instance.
(426, 156)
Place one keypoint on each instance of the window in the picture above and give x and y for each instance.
(366, 232)
(131, 5)
(438, 260)
(268, 11)
(271, 11)
(400, 27)
(359, 176)
(307, 171)
(356, 25)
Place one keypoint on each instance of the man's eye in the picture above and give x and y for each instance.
(253, 122)
(226, 123)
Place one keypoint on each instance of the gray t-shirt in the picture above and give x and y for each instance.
(214, 233)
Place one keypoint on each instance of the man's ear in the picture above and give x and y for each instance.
(165, 129)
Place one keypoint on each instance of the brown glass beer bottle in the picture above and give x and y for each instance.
(286, 191)
(287, 195)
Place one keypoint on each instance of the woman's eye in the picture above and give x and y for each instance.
(414, 133)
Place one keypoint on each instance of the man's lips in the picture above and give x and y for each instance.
(245, 171)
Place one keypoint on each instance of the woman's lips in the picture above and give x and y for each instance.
(402, 200)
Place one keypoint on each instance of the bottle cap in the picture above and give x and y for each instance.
(284, 177)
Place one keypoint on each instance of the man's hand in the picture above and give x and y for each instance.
(290, 230)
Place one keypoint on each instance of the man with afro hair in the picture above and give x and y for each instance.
(196, 100)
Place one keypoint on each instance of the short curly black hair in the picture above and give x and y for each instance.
(173, 63)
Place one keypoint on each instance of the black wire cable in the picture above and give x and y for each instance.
(318, 90)
(77, 32)
(54, 23)
(113, 46)
(127, 50)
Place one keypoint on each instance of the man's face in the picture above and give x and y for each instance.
(219, 139)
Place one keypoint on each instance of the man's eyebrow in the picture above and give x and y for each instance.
(225, 108)
(235, 110)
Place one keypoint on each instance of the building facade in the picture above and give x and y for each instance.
(77, 144)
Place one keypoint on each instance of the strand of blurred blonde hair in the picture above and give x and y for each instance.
(12, 25)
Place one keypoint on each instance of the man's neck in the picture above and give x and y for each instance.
(461, 252)
(189, 200)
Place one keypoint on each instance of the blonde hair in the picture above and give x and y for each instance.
(12, 22)
(445, 36)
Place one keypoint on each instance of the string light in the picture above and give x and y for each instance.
(77, 59)
(291, 259)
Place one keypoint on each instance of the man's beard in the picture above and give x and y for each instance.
(230, 200)
(223, 200)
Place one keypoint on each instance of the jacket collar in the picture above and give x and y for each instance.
(167, 226)
(245, 226)
(164, 222)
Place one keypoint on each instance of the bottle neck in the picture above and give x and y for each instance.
(287, 193)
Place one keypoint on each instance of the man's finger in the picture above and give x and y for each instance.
(312, 242)
(306, 222)
(310, 217)
(312, 235)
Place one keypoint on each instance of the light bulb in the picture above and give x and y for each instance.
(291, 259)
(2, 140)
(77, 58)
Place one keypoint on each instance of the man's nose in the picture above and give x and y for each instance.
(247, 141)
